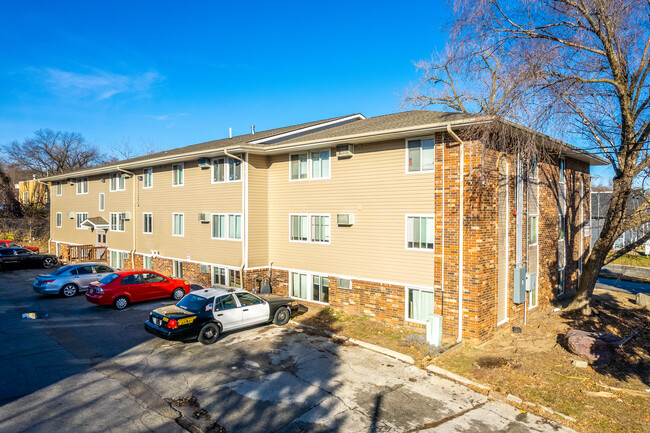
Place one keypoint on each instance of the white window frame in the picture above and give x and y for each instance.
(310, 286)
(80, 182)
(230, 160)
(306, 216)
(225, 170)
(226, 275)
(25, 197)
(121, 257)
(176, 266)
(102, 202)
(406, 301)
(118, 221)
(406, 153)
(225, 226)
(406, 232)
(119, 179)
(182, 166)
(148, 170)
(182, 214)
(561, 287)
(147, 257)
(78, 223)
(311, 234)
(144, 223)
(241, 228)
(59, 188)
(59, 219)
(310, 162)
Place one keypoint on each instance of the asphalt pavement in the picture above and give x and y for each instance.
(87, 368)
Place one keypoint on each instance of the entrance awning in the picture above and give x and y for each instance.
(95, 223)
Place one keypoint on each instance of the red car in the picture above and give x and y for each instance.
(121, 288)
(12, 244)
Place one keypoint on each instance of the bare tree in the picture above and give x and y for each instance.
(54, 152)
(581, 65)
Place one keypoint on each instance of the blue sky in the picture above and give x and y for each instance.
(159, 75)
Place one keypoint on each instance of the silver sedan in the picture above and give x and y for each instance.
(70, 280)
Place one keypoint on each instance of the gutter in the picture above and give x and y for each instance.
(244, 198)
(132, 213)
(461, 234)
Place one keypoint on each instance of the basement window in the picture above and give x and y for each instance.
(419, 304)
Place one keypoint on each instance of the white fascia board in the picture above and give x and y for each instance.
(309, 128)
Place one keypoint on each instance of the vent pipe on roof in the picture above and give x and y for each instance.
(230, 132)
(253, 129)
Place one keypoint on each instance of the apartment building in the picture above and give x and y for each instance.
(395, 217)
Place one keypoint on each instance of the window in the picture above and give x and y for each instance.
(146, 262)
(299, 228)
(218, 226)
(419, 232)
(81, 217)
(82, 185)
(177, 174)
(177, 269)
(532, 229)
(147, 223)
(152, 278)
(534, 170)
(59, 188)
(560, 281)
(25, 197)
(420, 155)
(225, 303)
(320, 228)
(234, 169)
(218, 170)
(562, 178)
(320, 289)
(219, 275)
(117, 259)
(59, 219)
(298, 166)
(117, 182)
(234, 226)
(562, 228)
(419, 304)
(320, 164)
(147, 178)
(131, 279)
(310, 165)
(234, 278)
(117, 221)
(177, 222)
(101, 201)
(246, 299)
(102, 269)
(299, 285)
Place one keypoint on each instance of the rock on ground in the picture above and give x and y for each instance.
(599, 348)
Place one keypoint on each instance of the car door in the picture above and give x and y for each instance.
(157, 286)
(133, 285)
(254, 309)
(101, 271)
(228, 313)
(25, 257)
(9, 257)
(85, 276)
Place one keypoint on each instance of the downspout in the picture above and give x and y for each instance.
(132, 213)
(461, 228)
(244, 199)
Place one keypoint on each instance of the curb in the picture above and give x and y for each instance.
(510, 399)
(623, 277)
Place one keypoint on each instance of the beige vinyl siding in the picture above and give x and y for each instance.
(197, 195)
(374, 186)
(258, 228)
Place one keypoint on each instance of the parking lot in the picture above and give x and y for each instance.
(89, 368)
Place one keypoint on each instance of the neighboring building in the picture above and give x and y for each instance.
(33, 192)
(362, 214)
(600, 206)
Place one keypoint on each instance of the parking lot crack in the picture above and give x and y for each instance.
(446, 419)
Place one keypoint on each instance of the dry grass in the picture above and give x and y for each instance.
(633, 260)
(536, 367)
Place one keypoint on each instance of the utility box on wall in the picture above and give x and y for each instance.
(519, 286)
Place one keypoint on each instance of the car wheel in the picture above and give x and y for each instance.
(282, 316)
(48, 262)
(178, 294)
(69, 290)
(121, 303)
(209, 333)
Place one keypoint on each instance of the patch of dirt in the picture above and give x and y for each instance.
(536, 367)
(192, 417)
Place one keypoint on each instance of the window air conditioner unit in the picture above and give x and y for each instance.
(345, 219)
(71, 181)
(204, 269)
(204, 217)
(204, 163)
(71, 215)
(344, 150)
(126, 216)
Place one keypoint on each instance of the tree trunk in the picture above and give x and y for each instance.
(608, 235)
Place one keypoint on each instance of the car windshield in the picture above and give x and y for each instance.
(62, 270)
(108, 278)
(191, 303)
